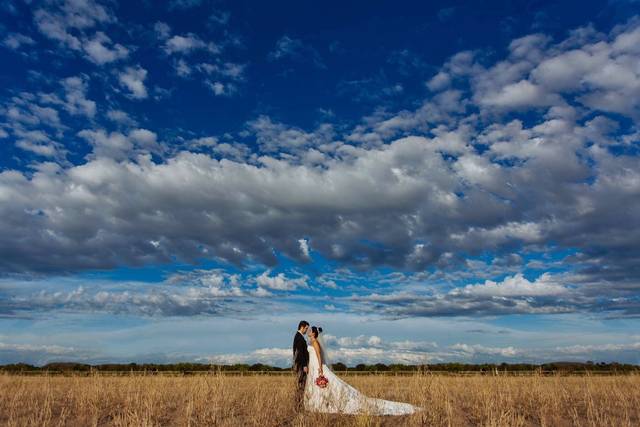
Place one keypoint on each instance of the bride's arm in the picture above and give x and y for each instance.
(316, 347)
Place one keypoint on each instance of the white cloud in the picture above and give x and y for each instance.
(16, 40)
(304, 247)
(76, 100)
(133, 80)
(118, 146)
(184, 4)
(351, 196)
(37, 142)
(236, 151)
(100, 50)
(522, 94)
(268, 356)
(162, 30)
(193, 293)
(120, 117)
(205, 141)
(219, 18)
(292, 48)
(481, 349)
(410, 189)
(372, 349)
(354, 351)
(51, 349)
(280, 282)
(40, 354)
(516, 285)
(183, 69)
(113, 145)
(144, 138)
(273, 136)
(439, 81)
(220, 89)
(228, 70)
(285, 46)
(358, 341)
(600, 69)
(61, 16)
(588, 349)
(187, 44)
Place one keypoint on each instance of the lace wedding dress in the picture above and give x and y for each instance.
(341, 398)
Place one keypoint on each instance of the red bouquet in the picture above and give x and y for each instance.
(322, 381)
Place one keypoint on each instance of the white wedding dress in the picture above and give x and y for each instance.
(341, 398)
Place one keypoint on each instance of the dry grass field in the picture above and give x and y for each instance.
(220, 400)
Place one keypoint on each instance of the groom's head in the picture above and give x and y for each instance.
(303, 326)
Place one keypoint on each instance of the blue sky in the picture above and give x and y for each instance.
(451, 181)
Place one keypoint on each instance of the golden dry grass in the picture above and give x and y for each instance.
(219, 400)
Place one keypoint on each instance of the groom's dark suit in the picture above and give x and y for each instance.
(300, 361)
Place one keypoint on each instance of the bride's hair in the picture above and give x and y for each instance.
(316, 330)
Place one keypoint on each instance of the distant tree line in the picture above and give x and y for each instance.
(567, 367)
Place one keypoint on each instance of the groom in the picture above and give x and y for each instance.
(300, 359)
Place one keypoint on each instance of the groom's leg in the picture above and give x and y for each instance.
(301, 380)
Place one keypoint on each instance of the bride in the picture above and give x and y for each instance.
(338, 396)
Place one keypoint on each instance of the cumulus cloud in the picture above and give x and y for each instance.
(217, 74)
(439, 81)
(184, 4)
(101, 50)
(595, 69)
(113, 145)
(221, 89)
(205, 141)
(187, 44)
(349, 199)
(270, 356)
(459, 175)
(292, 48)
(162, 30)
(35, 120)
(222, 78)
(40, 354)
(144, 138)
(522, 94)
(355, 350)
(197, 292)
(38, 142)
(14, 41)
(547, 294)
(386, 352)
(304, 247)
(386, 296)
(116, 145)
(73, 24)
(76, 97)
(229, 70)
(183, 69)
(273, 136)
(280, 282)
(133, 80)
(62, 16)
(219, 18)
(121, 117)
(516, 285)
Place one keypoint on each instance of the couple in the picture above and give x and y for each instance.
(337, 397)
